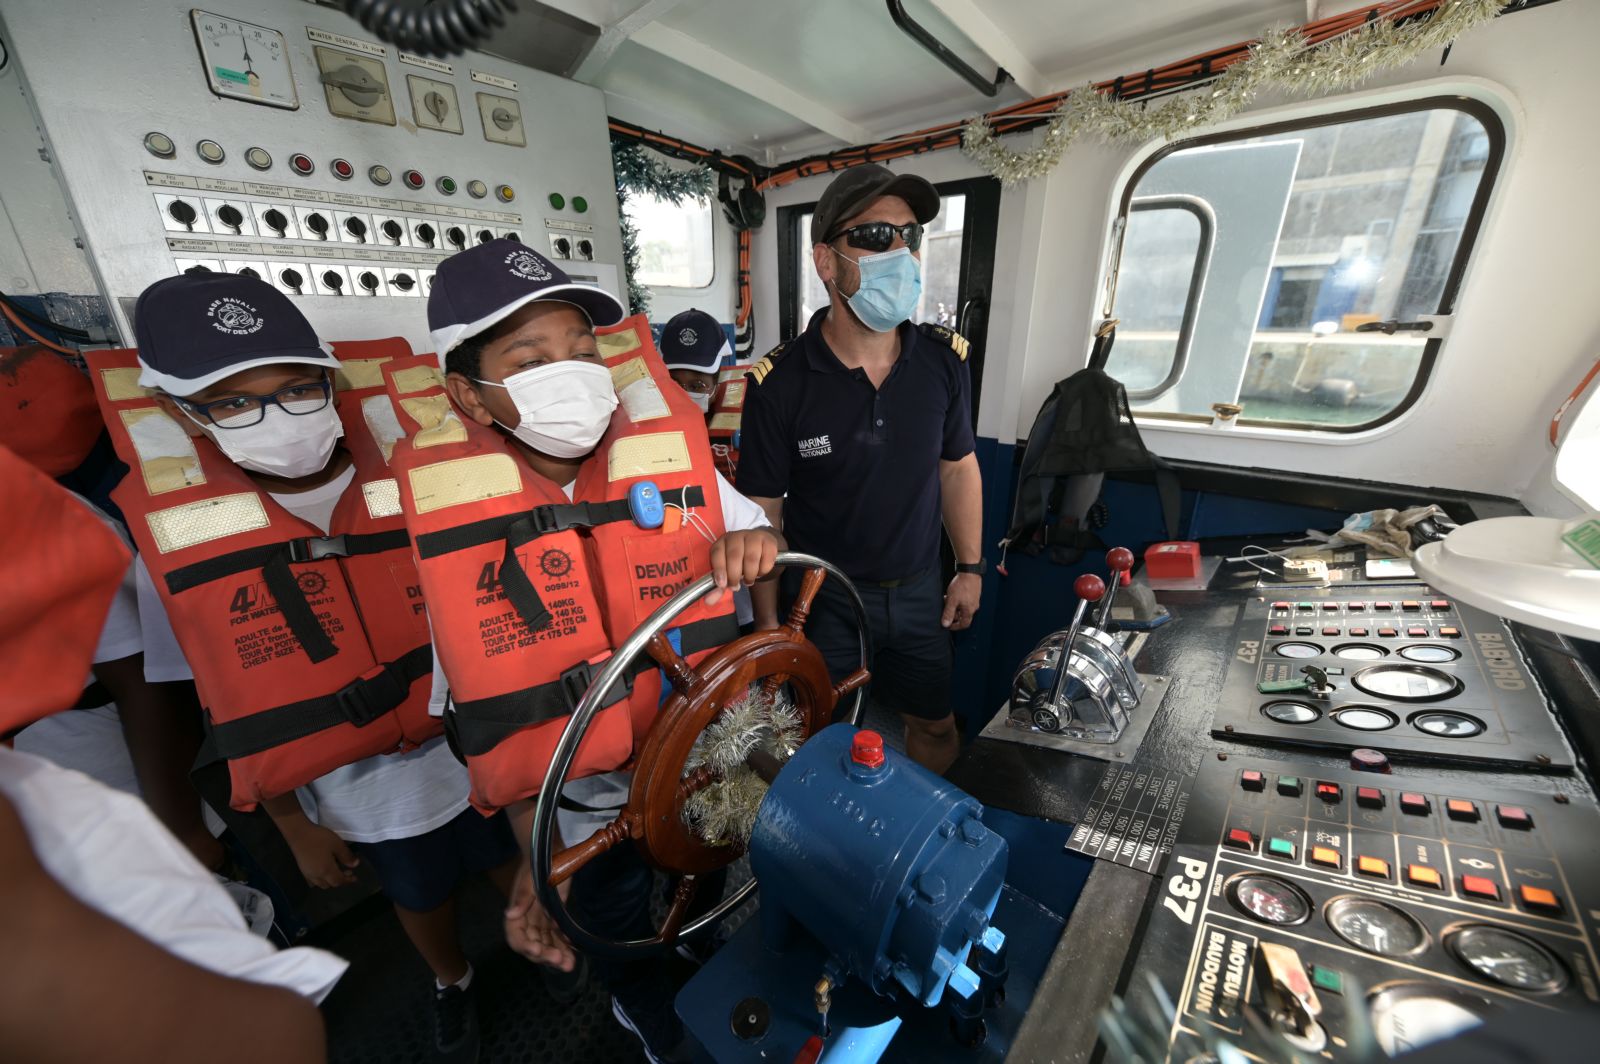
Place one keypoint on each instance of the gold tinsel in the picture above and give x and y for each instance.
(1281, 60)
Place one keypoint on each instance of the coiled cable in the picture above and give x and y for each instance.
(441, 28)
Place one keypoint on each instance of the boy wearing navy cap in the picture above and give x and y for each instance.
(693, 346)
(516, 339)
(236, 365)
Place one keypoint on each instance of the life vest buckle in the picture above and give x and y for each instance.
(576, 680)
(376, 692)
(316, 548)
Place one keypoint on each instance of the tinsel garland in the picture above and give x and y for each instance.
(1281, 60)
(638, 170)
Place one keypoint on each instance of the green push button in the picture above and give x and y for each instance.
(1306, 605)
(1281, 848)
(1289, 786)
(1279, 687)
(1327, 979)
(580, 204)
(557, 201)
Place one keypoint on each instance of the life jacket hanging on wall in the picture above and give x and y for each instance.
(727, 414)
(529, 590)
(309, 650)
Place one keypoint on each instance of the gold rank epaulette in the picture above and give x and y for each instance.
(947, 336)
(759, 371)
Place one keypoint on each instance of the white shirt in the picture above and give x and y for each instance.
(108, 850)
(388, 796)
(610, 789)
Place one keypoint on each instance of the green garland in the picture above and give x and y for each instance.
(637, 170)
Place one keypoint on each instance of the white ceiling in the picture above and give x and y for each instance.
(777, 79)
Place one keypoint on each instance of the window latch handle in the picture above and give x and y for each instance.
(1389, 328)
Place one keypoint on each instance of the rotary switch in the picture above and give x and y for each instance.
(275, 221)
(403, 281)
(230, 216)
(356, 228)
(292, 278)
(318, 224)
(393, 230)
(369, 281)
(426, 235)
(456, 236)
(334, 280)
(182, 212)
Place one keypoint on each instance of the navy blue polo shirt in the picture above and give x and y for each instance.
(859, 465)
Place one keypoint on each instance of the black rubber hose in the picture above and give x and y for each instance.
(440, 28)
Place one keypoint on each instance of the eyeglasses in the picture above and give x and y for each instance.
(242, 411)
(878, 236)
(698, 387)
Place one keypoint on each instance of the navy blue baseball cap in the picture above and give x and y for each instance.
(693, 340)
(195, 329)
(476, 289)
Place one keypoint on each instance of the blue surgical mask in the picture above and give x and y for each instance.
(891, 285)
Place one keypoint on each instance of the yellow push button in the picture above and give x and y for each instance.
(1539, 898)
(1373, 866)
(1422, 876)
(1326, 856)
(505, 193)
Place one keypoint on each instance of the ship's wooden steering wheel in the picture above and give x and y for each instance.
(653, 817)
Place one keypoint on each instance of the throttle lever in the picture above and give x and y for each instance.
(1120, 559)
(1089, 588)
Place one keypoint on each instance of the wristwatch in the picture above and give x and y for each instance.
(977, 568)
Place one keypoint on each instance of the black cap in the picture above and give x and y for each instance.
(693, 340)
(476, 289)
(855, 189)
(195, 329)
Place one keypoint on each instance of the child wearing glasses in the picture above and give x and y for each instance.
(276, 572)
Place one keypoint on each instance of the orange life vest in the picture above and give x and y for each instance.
(727, 411)
(309, 650)
(529, 592)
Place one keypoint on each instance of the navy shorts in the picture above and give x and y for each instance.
(912, 656)
(421, 873)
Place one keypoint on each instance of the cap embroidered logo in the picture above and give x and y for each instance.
(234, 316)
(527, 265)
(688, 337)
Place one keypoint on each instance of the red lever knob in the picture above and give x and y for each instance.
(1120, 559)
(1089, 587)
(867, 749)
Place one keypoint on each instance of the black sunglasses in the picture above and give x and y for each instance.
(878, 236)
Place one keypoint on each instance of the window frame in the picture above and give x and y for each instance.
(1488, 116)
(1207, 219)
(713, 214)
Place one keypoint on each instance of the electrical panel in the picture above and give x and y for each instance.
(280, 140)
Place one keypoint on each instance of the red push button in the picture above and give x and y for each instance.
(1383, 605)
(1278, 629)
(1420, 875)
(1282, 605)
(1387, 633)
(1439, 605)
(1513, 816)
(1330, 631)
(1411, 607)
(1450, 633)
(1461, 809)
(867, 749)
(1539, 898)
(1329, 792)
(1358, 631)
(1240, 839)
(1478, 887)
(1330, 607)
(1415, 804)
(301, 164)
(1356, 607)
(1416, 632)
(1251, 780)
(1369, 797)
(413, 179)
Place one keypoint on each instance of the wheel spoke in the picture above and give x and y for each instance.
(682, 898)
(564, 865)
(800, 612)
(850, 683)
(679, 672)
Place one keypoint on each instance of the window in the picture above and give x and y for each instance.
(1315, 231)
(941, 267)
(675, 241)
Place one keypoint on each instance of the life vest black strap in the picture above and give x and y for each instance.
(359, 702)
(297, 613)
(303, 549)
(482, 724)
(542, 520)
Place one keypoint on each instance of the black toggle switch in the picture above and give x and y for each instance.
(426, 234)
(292, 278)
(182, 213)
(456, 236)
(276, 221)
(369, 281)
(356, 228)
(335, 281)
(318, 225)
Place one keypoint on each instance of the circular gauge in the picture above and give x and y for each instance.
(1430, 652)
(1290, 712)
(1447, 725)
(1297, 650)
(1269, 899)
(1409, 1016)
(1375, 926)
(1365, 718)
(1503, 956)
(1359, 652)
(1407, 683)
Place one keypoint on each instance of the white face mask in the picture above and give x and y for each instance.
(281, 444)
(702, 400)
(565, 407)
